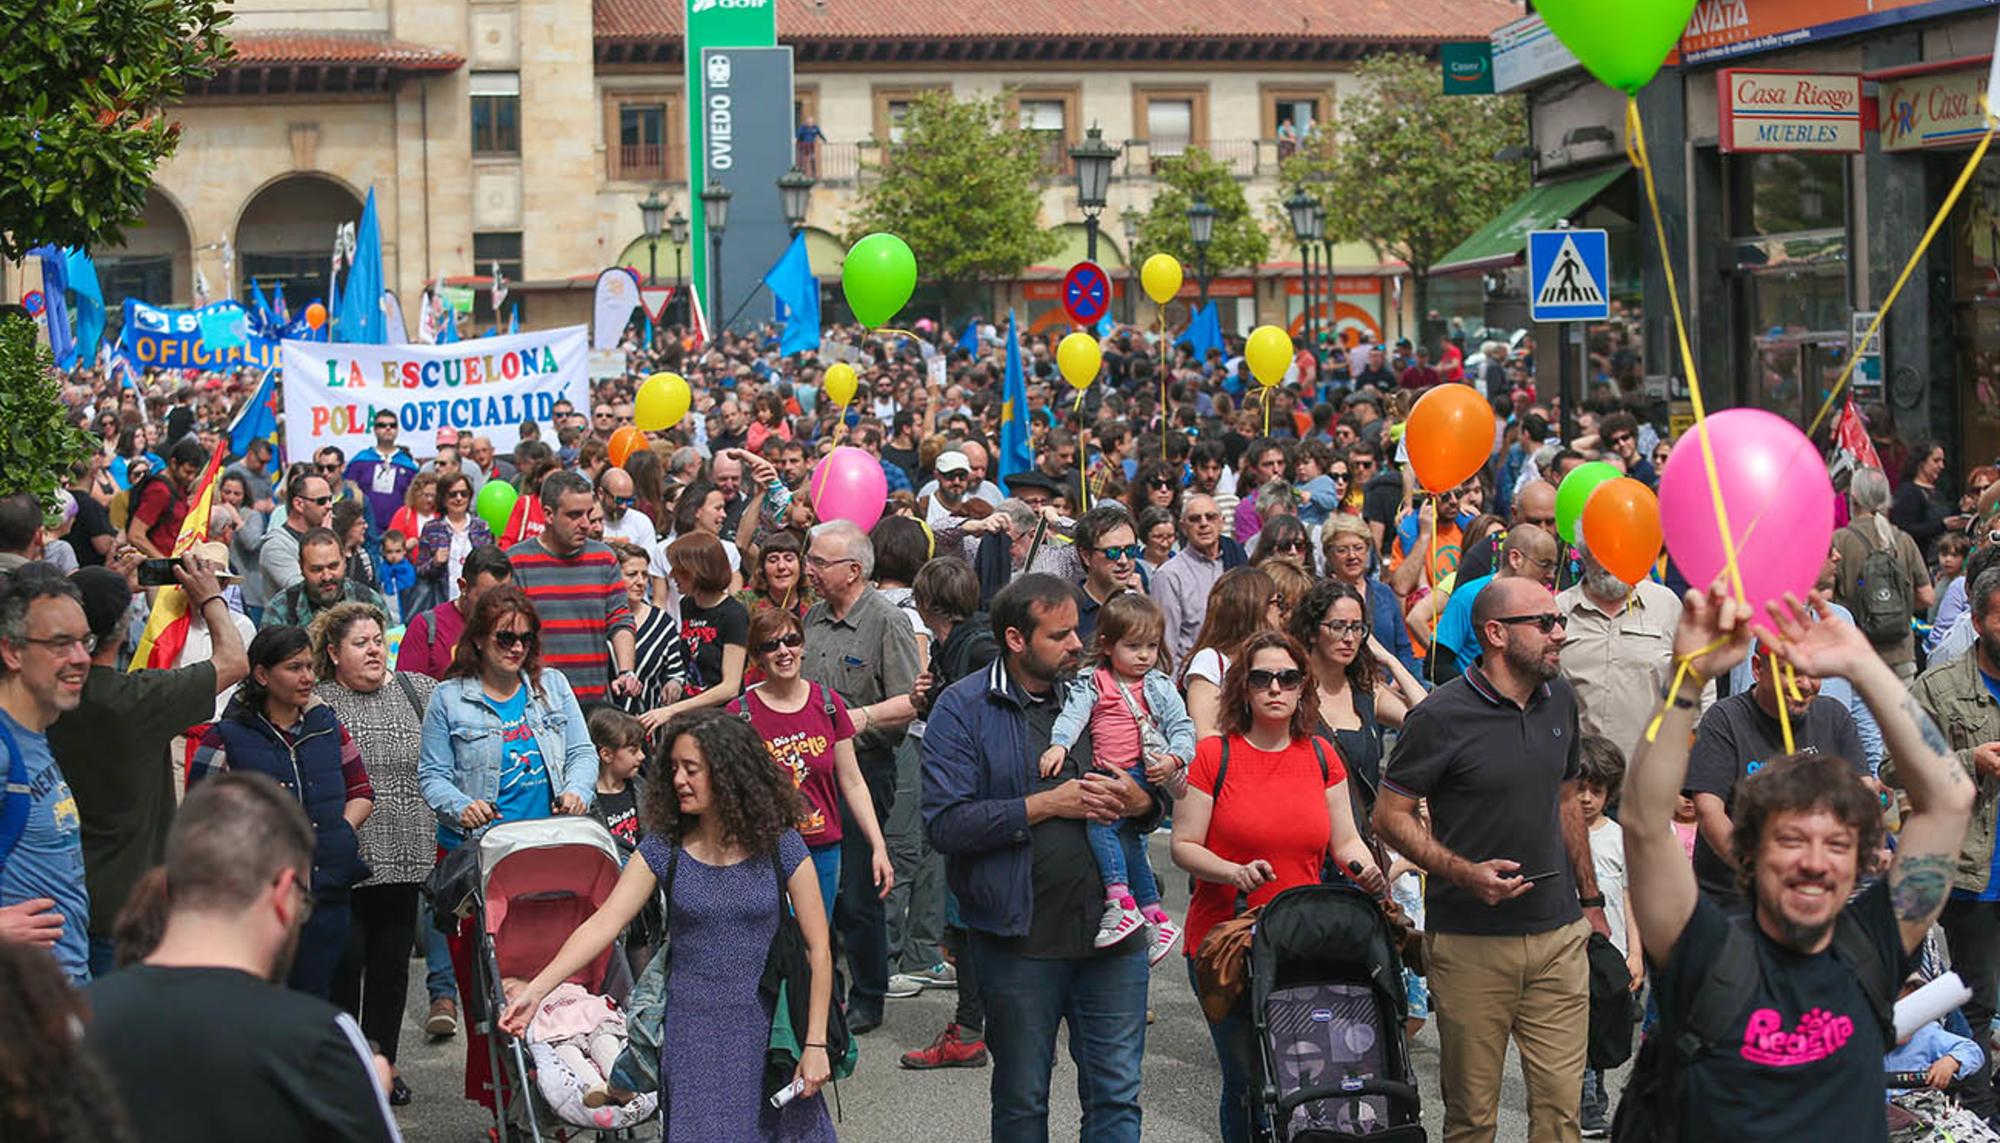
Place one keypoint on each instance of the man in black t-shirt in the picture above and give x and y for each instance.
(199, 1041)
(1736, 738)
(1803, 1060)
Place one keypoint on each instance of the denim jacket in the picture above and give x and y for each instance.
(1169, 711)
(461, 759)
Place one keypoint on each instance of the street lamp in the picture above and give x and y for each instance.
(1092, 159)
(1326, 268)
(1201, 231)
(1299, 211)
(715, 217)
(1128, 224)
(795, 189)
(651, 213)
(677, 233)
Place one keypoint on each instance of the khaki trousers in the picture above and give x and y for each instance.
(1534, 988)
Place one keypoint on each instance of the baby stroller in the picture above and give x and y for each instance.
(539, 881)
(1327, 1011)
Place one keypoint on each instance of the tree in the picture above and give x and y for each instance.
(38, 444)
(1238, 240)
(83, 129)
(1410, 170)
(963, 188)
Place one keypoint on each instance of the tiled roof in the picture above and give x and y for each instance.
(1377, 21)
(287, 47)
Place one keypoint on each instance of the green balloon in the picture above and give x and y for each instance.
(1574, 492)
(496, 504)
(1622, 42)
(878, 277)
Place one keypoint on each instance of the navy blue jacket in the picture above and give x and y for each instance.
(309, 770)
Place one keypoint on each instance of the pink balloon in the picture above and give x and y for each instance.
(849, 485)
(1779, 498)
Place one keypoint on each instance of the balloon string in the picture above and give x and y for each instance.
(1082, 454)
(1164, 420)
(1778, 681)
(1681, 670)
(880, 329)
(839, 422)
(1909, 268)
(1268, 390)
(1635, 150)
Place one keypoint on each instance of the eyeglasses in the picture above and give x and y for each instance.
(60, 645)
(1201, 518)
(821, 563)
(1128, 552)
(508, 640)
(790, 639)
(1344, 628)
(1546, 622)
(1289, 679)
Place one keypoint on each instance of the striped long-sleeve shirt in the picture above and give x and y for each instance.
(581, 601)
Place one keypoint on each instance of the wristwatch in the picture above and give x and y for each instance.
(1596, 902)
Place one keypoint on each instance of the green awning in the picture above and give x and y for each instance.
(1501, 241)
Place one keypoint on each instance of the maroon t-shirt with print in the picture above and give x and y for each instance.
(801, 743)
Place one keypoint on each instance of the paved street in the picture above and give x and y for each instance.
(883, 1103)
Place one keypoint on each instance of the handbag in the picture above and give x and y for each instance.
(1222, 964)
(638, 1066)
(786, 986)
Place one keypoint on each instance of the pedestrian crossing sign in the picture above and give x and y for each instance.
(1569, 272)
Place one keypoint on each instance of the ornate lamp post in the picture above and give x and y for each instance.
(1092, 159)
(1201, 231)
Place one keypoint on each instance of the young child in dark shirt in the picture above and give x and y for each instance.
(621, 751)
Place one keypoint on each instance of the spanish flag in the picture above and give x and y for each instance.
(167, 627)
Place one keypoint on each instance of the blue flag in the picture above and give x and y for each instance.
(278, 309)
(514, 319)
(89, 315)
(262, 322)
(1204, 332)
(55, 288)
(448, 332)
(792, 283)
(258, 419)
(969, 339)
(1015, 455)
(359, 318)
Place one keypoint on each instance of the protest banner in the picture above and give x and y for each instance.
(488, 386)
(155, 337)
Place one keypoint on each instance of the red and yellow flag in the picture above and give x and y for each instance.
(167, 627)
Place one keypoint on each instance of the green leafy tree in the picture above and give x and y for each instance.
(83, 127)
(1238, 239)
(963, 188)
(1410, 170)
(38, 445)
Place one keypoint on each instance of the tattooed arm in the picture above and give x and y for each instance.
(1940, 792)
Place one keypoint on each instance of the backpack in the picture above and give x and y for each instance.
(1883, 604)
(1650, 1109)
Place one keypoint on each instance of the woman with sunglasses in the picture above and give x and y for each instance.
(1286, 811)
(1284, 538)
(1158, 485)
(503, 741)
(805, 727)
(1242, 603)
(444, 543)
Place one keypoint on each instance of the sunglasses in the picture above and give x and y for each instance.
(1289, 546)
(322, 501)
(329, 468)
(1289, 679)
(1128, 552)
(385, 424)
(508, 640)
(790, 639)
(458, 494)
(624, 501)
(1546, 622)
(1161, 482)
(1364, 465)
(1201, 518)
(1621, 438)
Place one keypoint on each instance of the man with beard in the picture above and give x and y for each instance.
(200, 1041)
(622, 518)
(1739, 736)
(325, 583)
(45, 646)
(1619, 650)
(1527, 553)
(1512, 895)
(1963, 696)
(1029, 894)
(308, 502)
(1799, 1053)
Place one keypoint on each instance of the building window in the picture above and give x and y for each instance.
(1169, 126)
(642, 140)
(496, 113)
(502, 247)
(896, 110)
(1047, 120)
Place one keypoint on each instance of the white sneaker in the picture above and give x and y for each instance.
(1118, 923)
(1164, 935)
(940, 975)
(902, 986)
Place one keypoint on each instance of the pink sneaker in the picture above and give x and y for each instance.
(1165, 935)
(1119, 922)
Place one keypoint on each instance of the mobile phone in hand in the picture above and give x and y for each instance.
(156, 573)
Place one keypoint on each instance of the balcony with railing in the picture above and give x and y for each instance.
(1239, 156)
(643, 161)
(830, 162)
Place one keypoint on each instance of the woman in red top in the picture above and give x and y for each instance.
(1281, 811)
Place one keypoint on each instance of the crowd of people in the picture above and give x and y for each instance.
(969, 737)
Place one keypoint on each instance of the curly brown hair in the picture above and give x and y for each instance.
(495, 605)
(1312, 611)
(755, 800)
(1801, 783)
(50, 1087)
(329, 627)
(1235, 714)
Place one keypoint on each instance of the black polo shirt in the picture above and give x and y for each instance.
(1493, 773)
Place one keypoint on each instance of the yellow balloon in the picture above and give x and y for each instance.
(1161, 275)
(662, 401)
(840, 383)
(1079, 357)
(1269, 352)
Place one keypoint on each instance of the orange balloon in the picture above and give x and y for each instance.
(1621, 527)
(624, 443)
(1450, 433)
(315, 315)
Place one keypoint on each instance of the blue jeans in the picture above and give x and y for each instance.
(826, 864)
(1120, 849)
(1103, 998)
(439, 984)
(321, 942)
(1233, 1048)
